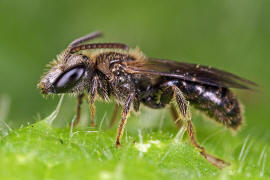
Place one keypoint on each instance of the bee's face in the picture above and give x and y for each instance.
(72, 75)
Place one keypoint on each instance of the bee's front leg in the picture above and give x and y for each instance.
(125, 113)
(91, 99)
(78, 112)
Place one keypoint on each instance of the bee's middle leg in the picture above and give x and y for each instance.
(91, 99)
(125, 113)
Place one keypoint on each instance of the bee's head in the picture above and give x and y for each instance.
(71, 73)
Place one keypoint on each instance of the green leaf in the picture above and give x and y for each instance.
(40, 151)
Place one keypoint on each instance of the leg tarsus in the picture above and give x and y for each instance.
(118, 145)
(210, 158)
(125, 113)
(219, 163)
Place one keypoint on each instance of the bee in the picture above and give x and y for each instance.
(113, 70)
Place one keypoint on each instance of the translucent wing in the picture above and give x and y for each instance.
(190, 72)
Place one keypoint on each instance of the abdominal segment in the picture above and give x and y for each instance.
(218, 103)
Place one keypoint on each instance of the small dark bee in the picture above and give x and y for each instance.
(114, 70)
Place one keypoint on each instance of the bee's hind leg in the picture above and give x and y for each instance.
(184, 112)
(176, 118)
(116, 111)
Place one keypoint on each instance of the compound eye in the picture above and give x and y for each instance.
(85, 57)
(68, 79)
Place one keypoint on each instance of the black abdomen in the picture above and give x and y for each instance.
(218, 103)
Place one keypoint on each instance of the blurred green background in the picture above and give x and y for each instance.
(233, 35)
